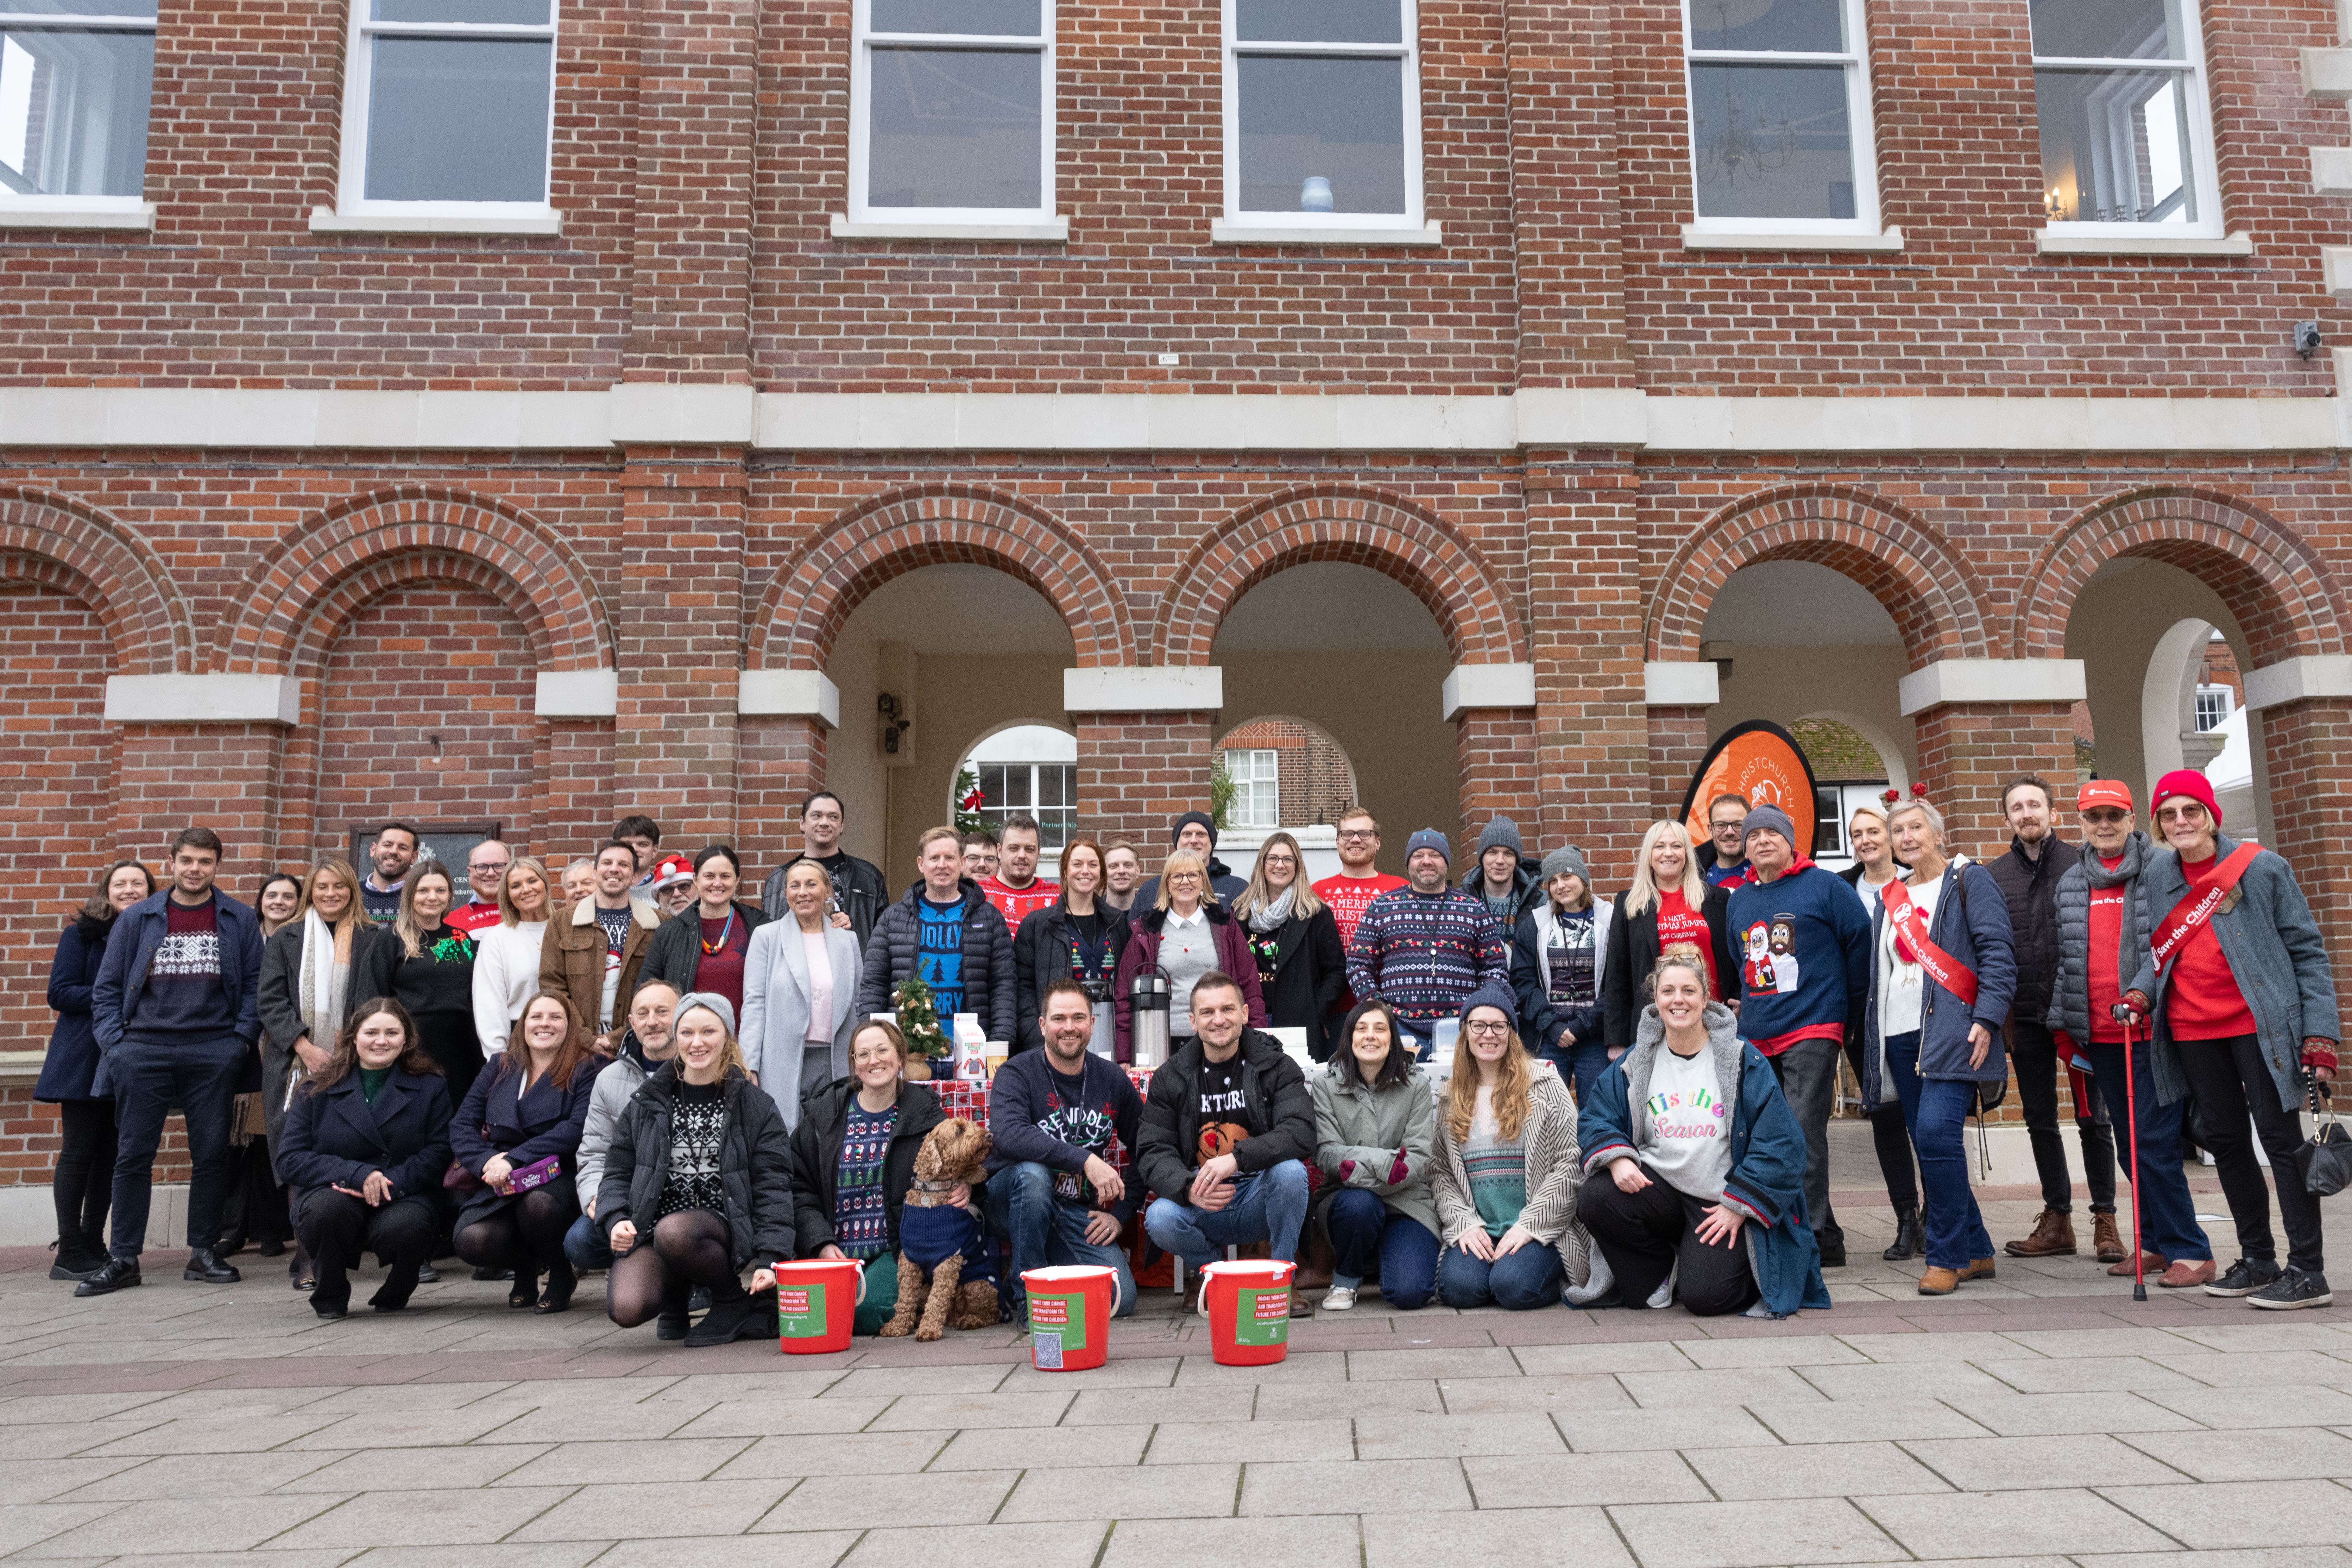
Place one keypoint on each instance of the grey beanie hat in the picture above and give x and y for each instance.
(710, 1002)
(1502, 834)
(1563, 860)
(1429, 839)
(1769, 819)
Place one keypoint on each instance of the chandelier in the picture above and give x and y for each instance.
(1740, 152)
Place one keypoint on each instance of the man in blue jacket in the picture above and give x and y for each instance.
(1054, 1192)
(1803, 944)
(176, 1009)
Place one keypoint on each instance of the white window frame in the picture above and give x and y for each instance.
(19, 210)
(1241, 226)
(996, 812)
(2206, 233)
(2229, 699)
(859, 220)
(354, 211)
(1264, 764)
(1860, 232)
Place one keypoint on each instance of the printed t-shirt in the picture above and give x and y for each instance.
(1679, 925)
(2105, 936)
(1226, 1115)
(1690, 1133)
(861, 1221)
(616, 924)
(938, 955)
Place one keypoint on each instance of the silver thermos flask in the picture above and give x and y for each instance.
(1147, 996)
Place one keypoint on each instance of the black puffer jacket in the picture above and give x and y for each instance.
(755, 1164)
(816, 1153)
(1168, 1142)
(988, 985)
(1041, 955)
(2031, 888)
(2069, 1006)
(675, 952)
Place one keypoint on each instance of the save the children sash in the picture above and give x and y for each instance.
(1911, 938)
(2195, 910)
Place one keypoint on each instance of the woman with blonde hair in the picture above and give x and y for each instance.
(697, 1184)
(307, 987)
(1506, 1172)
(1187, 935)
(1294, 938)
(426, 965)
(506, 955)
(1668, 905)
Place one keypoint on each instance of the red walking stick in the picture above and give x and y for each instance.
(2131, 1114)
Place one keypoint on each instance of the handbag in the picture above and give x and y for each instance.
(2325, 1158)
(457, 1179)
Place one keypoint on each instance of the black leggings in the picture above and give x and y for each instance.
(1645, 1235)
(84, 1184)
(2231, 1082)
(1889, 1137)
(682, 1250)
(336, 1228)
(526, 1235)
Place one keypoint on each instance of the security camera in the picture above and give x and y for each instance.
(2306, 338)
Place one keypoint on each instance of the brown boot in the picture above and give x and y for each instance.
(2107, 1241)
(2053, 1237)
(1939, 1282)
(1978, 1268)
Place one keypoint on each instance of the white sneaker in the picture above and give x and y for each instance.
(1664, 1296)
(1338, 1298)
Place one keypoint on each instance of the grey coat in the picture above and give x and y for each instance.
(282, 1009)
(1354, 1121)
(2070, 992)
(2275, 952)
(1555, 1173)
(615, 1087)
(776, 1001)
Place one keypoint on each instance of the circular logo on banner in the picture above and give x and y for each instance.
(1761, 760)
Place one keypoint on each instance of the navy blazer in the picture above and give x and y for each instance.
(333, 1137)
(130, 947)
(499, 1118)
(1971, 923)
(71, 1065)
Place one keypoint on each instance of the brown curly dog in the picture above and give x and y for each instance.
(935, 1238)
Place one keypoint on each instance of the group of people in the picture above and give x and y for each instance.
(1503, 1090)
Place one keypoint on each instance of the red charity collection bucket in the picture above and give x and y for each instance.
(1070, 1309)
(816, 1302)
(1249, 1312)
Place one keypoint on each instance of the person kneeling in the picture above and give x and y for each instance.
(1507, 1174)
(1699, 1146)
(701, 1156)
(1376, 1139)
(364, 1145)
(1228, 1128)
(1053, 1193)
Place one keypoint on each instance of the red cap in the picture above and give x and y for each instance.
(2190, 782)
(2103, 792)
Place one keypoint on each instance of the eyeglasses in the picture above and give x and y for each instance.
(2106, 816)
(1480, 1027)
(486, 865)
(1185, 877)
(1359, 833)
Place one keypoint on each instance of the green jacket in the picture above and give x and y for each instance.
(1354, 1122)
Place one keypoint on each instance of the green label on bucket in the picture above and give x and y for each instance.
(1055, 1321)
(800, 1312)
(1262, 1317)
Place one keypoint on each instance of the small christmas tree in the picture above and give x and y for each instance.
(919, 1020)
(968, 802)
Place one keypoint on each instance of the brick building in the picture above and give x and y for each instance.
(531, 418)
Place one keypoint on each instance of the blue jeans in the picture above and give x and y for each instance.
(200, 1075)
(1937, 1111)
(584, 1247)
(1527, 1278)
(1268, 1205)
(1372, 1243)
(1042, 1230)
(1418, 1034)
(2167, 1216)
(1581, 1063)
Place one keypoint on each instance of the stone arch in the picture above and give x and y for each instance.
(2284, 598)
(1926, 586)
(1337, 522)
(815, 589)
(60, 543)
(308, 586)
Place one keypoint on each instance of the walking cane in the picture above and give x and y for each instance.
(2131, 1114)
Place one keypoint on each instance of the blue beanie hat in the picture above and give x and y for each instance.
(1428, 838)
(1489, 996)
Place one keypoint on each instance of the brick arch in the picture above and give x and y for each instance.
(2282, 593)
(59, 542)
(821, 584)
(1927, 588)
(364, 546)
(1336, 522)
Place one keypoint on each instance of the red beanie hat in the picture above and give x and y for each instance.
(2188, 782)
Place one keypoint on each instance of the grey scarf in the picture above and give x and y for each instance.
(2134, 862)
(1270, 917)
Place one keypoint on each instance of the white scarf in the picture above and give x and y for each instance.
(325, 983)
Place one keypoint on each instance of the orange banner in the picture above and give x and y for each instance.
(1761, 760)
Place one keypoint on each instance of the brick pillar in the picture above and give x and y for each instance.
(679, 636)
(221, 776)
(1138, 771)
(1585, 604)
(780, 759)
(2307, 746)
(1969, 750)
(1497, 751)
(1677, 746)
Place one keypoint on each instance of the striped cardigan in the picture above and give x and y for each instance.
(1554, 1176)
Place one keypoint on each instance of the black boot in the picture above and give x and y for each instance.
(399, 1284)
(1910, 1240)
(728, 1320)
(208, 1268)
(560, 1282)
(525, 1294)
(673, 1320)
(75, 1260)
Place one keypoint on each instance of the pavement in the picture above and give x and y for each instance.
(2040, 1418)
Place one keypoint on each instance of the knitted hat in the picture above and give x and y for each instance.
(1489, 996)
(1563, 860)
(1428, 838)
(1769, 819)
(1502, 834)
(1176, 828)
(2188, 782)
(2103, 792)
(710, 1002)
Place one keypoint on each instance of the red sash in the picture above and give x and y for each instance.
(2195, 910)
(1911, 940)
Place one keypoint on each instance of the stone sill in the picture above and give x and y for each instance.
(1053, 231)
(1223, 233)
(2049, 244)
(59, 215)
(1697, 238)
(325, 220)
